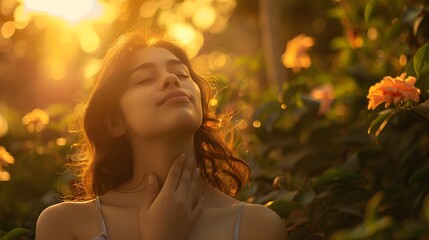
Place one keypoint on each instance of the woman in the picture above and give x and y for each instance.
(154, 166)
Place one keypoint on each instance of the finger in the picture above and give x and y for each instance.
(153, 191)
(196, 211)
(200, 181)
(185, 177)
(194, 186)
(174, 173)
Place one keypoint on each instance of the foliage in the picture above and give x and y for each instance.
(38, 177)
(327, 164)
(13, 234)
(333, 180)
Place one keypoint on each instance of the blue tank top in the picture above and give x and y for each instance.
(103, 235)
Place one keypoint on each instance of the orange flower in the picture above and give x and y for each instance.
(393, 90)
(36, 120)
(3, 126)
(296, 56)
(5, 159)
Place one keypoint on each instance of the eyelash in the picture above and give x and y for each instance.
(152, 78)
(144, 81)
(182, 75)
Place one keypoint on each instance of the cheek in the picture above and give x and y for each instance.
(196, 92)
(136, 107)
(198, 100)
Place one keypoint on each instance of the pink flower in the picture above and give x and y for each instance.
(324, 94)
(394, 90)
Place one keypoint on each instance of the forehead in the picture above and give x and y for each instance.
(155, 55)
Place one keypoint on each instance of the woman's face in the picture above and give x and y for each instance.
(161, 97)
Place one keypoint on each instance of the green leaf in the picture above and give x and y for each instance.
(369, 9)
(337, 175)
(409, 68)
(381, 121)
(411, 13)
(371, 207)
(421, 58)
(364, 230)
(336, 12)
(15, 233)
(371, 225)
(420, 174)
(306, 197)
(393, 31)
(283, 207)
(311, 105)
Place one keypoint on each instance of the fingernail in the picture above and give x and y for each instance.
(198, 171)
(181, 156)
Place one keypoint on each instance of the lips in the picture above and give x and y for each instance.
(173, 94)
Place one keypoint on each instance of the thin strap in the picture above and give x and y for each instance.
(103, 225)
(237, 223)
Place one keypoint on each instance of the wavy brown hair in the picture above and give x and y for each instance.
(103, 161)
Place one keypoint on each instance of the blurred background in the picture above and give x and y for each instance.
(296, 74)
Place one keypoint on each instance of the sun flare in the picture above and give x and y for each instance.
(70, 10)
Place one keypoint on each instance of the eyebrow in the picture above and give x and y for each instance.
(151, 65)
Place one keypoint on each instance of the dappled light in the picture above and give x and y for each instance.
(326, 100)
(70, 10)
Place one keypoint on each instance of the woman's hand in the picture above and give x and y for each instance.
(170, 212)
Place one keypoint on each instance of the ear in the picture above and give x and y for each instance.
(116, 128)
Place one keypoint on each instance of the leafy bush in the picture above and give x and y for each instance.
(328, 154)
(340, 170)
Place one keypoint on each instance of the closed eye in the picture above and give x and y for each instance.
(182, 75)
(144, 81)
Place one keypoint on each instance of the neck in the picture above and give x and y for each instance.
(155, 156)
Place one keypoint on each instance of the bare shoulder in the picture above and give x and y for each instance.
(57, 221)
(260, 222)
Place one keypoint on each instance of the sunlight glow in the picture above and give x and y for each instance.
(204, 17)
(21, 17)
(89, 41)
(7, 29)
(218, 60)
(71, 10)
(149, 8)
(257, 124)
(187, 35)
(57, 70)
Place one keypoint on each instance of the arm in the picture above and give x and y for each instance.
(261, 223)
(52, 224)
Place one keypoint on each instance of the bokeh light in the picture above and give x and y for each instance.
(288, 79)
(7, 29)
(71, 10)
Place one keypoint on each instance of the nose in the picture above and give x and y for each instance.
(170, 79)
